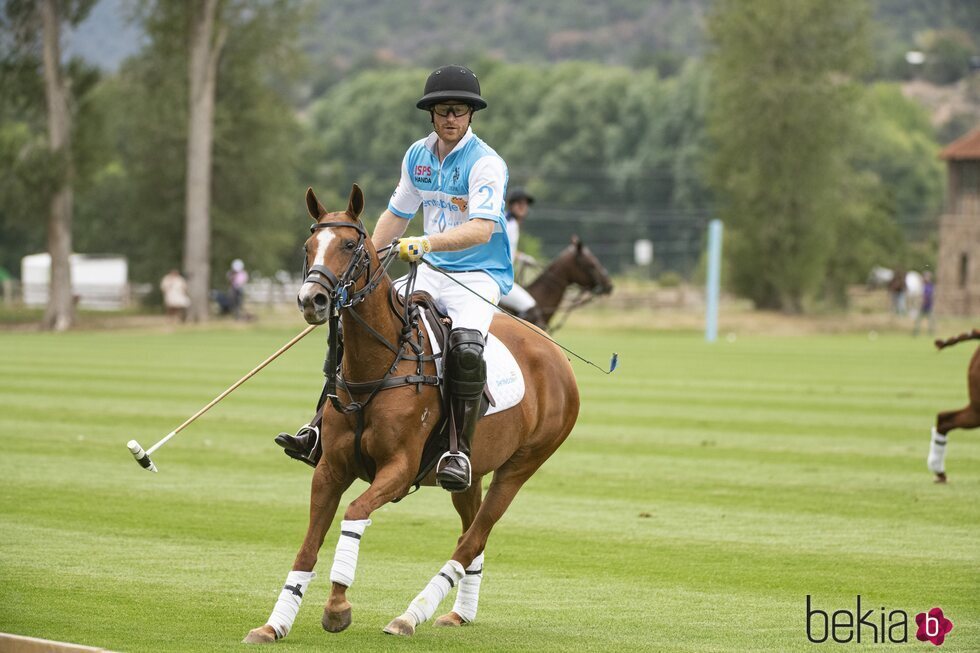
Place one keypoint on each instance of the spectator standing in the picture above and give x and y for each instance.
(237, 278)
(928, 295)
(175, 297)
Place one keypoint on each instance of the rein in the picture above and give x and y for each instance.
(527, 325)
(583, 297)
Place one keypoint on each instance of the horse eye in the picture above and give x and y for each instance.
(349, 244)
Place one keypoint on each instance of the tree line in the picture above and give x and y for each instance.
(818, 173)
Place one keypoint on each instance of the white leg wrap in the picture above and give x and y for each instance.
(348, 544)
(424, 605)
(468, 595)
(284, 614)
(937, 453)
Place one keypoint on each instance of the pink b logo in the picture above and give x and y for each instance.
(933, 626)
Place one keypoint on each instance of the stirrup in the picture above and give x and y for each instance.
(454, 484)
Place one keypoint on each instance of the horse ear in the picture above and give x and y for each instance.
(577, 242)
(313, 205)
(355, 204)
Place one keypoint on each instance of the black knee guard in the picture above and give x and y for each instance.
(466, 371)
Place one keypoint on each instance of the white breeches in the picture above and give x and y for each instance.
(465, 309)
(518, 300)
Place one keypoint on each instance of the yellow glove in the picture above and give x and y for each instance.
(412, 249)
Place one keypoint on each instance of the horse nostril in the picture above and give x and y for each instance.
(320, 300)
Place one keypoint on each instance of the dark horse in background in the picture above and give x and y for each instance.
(382, 441)
(576, 265)
(964, 418)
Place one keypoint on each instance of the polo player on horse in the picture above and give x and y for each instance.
(460, 182)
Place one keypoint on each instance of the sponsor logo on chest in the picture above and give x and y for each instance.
(453, 205)
(450, 181)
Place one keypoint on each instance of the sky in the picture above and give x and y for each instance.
(106, 37)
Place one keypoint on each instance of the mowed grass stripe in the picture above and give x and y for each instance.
(705, 492)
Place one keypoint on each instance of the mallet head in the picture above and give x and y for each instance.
(141, 456)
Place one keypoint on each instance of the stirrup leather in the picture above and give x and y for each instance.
(454, 484)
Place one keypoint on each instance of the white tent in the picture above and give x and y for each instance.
(99, 281)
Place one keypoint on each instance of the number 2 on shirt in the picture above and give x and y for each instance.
(487, 203)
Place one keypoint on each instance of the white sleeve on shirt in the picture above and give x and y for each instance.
(488, 177)
(513, 233)
(406, 199)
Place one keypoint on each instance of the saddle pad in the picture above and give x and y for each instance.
(504, 376)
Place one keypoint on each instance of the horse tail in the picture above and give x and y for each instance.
(963, 337)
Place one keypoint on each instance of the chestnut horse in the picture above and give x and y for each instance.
(964, 418)
(345, 271)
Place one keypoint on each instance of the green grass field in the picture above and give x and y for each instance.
(706, 490)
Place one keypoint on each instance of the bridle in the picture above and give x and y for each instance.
(580, 262)
(583, 296)
(339, 289)
(593, 272)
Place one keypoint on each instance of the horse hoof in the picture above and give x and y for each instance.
(335, 622)
(400, 626)
(263, 635)
(450, 619)
(940, 478)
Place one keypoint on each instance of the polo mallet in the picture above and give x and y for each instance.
(143, 457)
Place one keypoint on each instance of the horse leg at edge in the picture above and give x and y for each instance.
(467, 504)
(965, 418)
(506, 482)
(389, 483)
(325, 492)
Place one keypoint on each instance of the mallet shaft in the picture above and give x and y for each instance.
(237, 383)
(161, 442)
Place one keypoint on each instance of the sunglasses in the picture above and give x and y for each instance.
(458, 110)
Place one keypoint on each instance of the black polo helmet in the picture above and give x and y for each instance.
(517, 193)
(452, 83)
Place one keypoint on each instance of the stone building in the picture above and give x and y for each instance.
(958, 266)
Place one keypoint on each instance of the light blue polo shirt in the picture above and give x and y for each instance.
(470, 183)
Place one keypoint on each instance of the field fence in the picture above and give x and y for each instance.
(90, 296)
